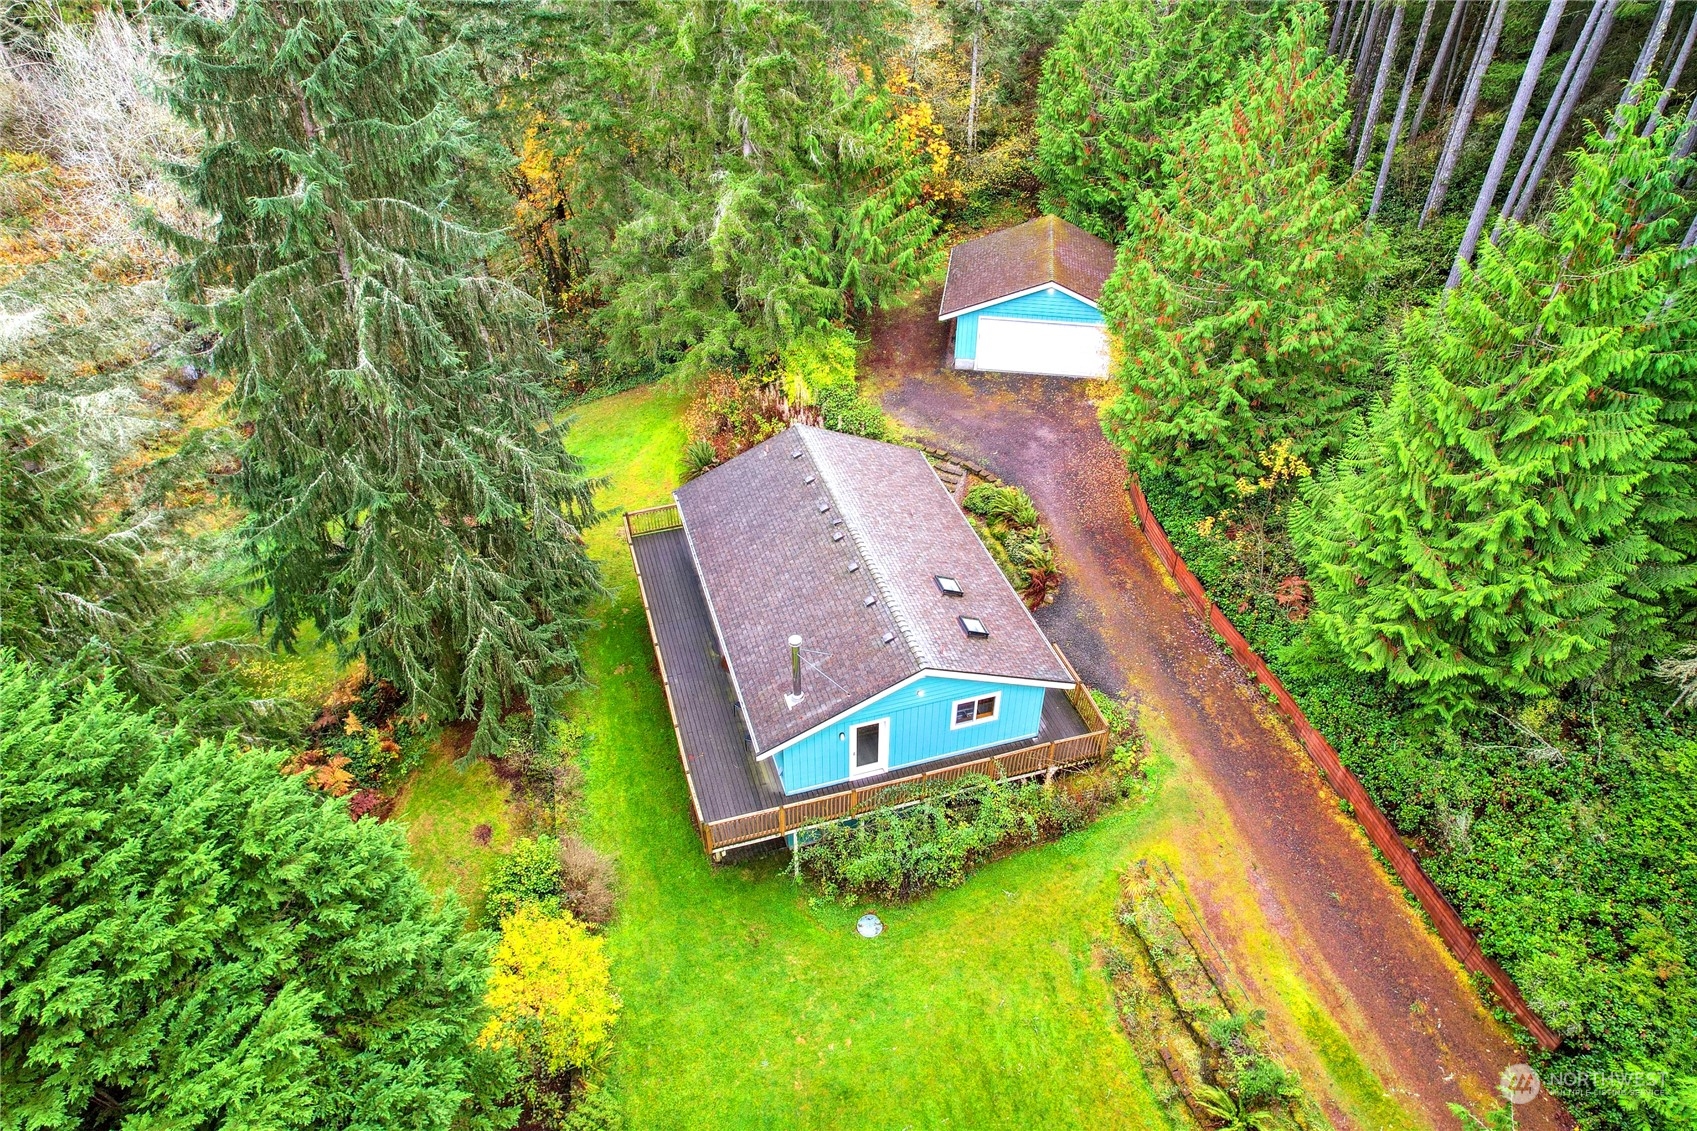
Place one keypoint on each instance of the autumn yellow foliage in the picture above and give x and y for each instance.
(550, 994)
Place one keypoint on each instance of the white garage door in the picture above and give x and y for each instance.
(1062, 349)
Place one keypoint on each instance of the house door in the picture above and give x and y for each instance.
(869, 748)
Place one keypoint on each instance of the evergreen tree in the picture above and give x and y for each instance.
(66, 583)
(79, 592)
(1125, 78)
(1234, 301)
(405, 487)
(1520, 511)
(193, 940)
(770, 184)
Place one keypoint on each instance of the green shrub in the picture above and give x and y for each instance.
(1006, 522)
(546, 775)
(382, 745)
(1031, 554)
(998, 552)
(593, 1110)
(817, 368)
(1008, 505)
(843, 409)
(895, 853)
(530, 873)
(1125, 740)
(699, 457)
(816, 360)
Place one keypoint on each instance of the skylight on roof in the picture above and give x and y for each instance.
(972, 626)
(949, 586)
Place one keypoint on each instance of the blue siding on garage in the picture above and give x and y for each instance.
(966, 337)
(920, 715)
(1040, 306)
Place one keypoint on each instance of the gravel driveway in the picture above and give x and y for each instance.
(1127, 630)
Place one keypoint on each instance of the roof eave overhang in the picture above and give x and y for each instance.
(944, 317)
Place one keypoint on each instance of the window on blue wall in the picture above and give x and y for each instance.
(983, 709)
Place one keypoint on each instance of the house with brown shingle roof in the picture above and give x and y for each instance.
(1027, 299)
(828, 626)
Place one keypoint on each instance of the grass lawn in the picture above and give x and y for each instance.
(441, 807)
(749, 1005)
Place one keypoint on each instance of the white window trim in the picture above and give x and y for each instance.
(995, 712)
(883, 763)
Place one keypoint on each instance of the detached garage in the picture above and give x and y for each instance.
(1025, 300)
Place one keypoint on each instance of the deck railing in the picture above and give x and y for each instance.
(651, 520)
(1038, 758)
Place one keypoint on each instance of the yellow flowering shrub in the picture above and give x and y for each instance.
(550, 994)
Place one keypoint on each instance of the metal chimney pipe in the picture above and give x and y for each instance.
(795, 666)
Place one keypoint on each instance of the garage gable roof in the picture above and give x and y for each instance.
(1046, 251)
(840, 541)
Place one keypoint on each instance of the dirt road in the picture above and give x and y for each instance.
(1404, 1002)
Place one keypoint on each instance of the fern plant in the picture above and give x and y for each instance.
(1230, 1110)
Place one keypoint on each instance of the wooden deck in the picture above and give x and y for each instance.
(737, 800)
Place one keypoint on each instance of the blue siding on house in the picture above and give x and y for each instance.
(1040, 306)
(920, 715)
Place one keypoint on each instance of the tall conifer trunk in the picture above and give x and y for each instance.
(1446, 47)
(1380, 80)
(1688, 139)
(1340, 17)
(1675, 72)
(1401, 108)
(1364, 12)
(1464, 111)
(972, 97)
(1358, 76)
(1505, 143)
(1366, 68)
(1552, 108)
(1477, 12)
(1569, 103)
(1645, 63)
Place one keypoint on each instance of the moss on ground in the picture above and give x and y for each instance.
(443, 807)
